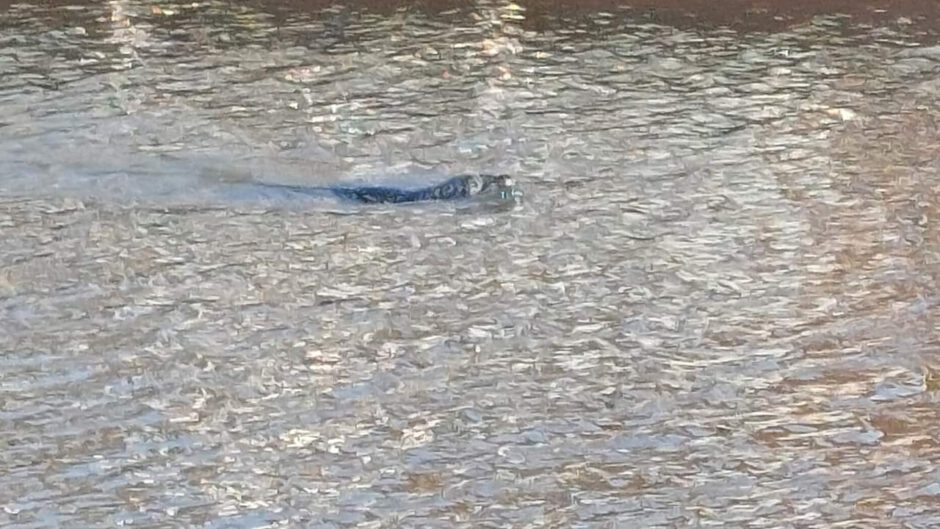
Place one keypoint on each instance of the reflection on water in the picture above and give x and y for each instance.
(716, 305)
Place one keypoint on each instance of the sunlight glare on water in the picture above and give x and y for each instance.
(714, 306)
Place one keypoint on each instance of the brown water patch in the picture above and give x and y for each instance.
(746, 15)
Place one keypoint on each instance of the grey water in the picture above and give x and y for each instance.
(715, 305)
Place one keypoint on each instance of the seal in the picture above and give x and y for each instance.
(456, 188)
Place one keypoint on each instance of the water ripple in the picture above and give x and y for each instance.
(714, 306)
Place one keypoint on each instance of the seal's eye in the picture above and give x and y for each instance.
(499, 181)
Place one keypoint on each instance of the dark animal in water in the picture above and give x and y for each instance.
(456, 188)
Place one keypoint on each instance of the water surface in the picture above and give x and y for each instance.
(716, 305)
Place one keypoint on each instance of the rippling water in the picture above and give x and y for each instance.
(716, 305)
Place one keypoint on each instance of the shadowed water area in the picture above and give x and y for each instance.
(714, 305)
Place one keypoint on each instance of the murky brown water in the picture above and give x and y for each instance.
(716, 305)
